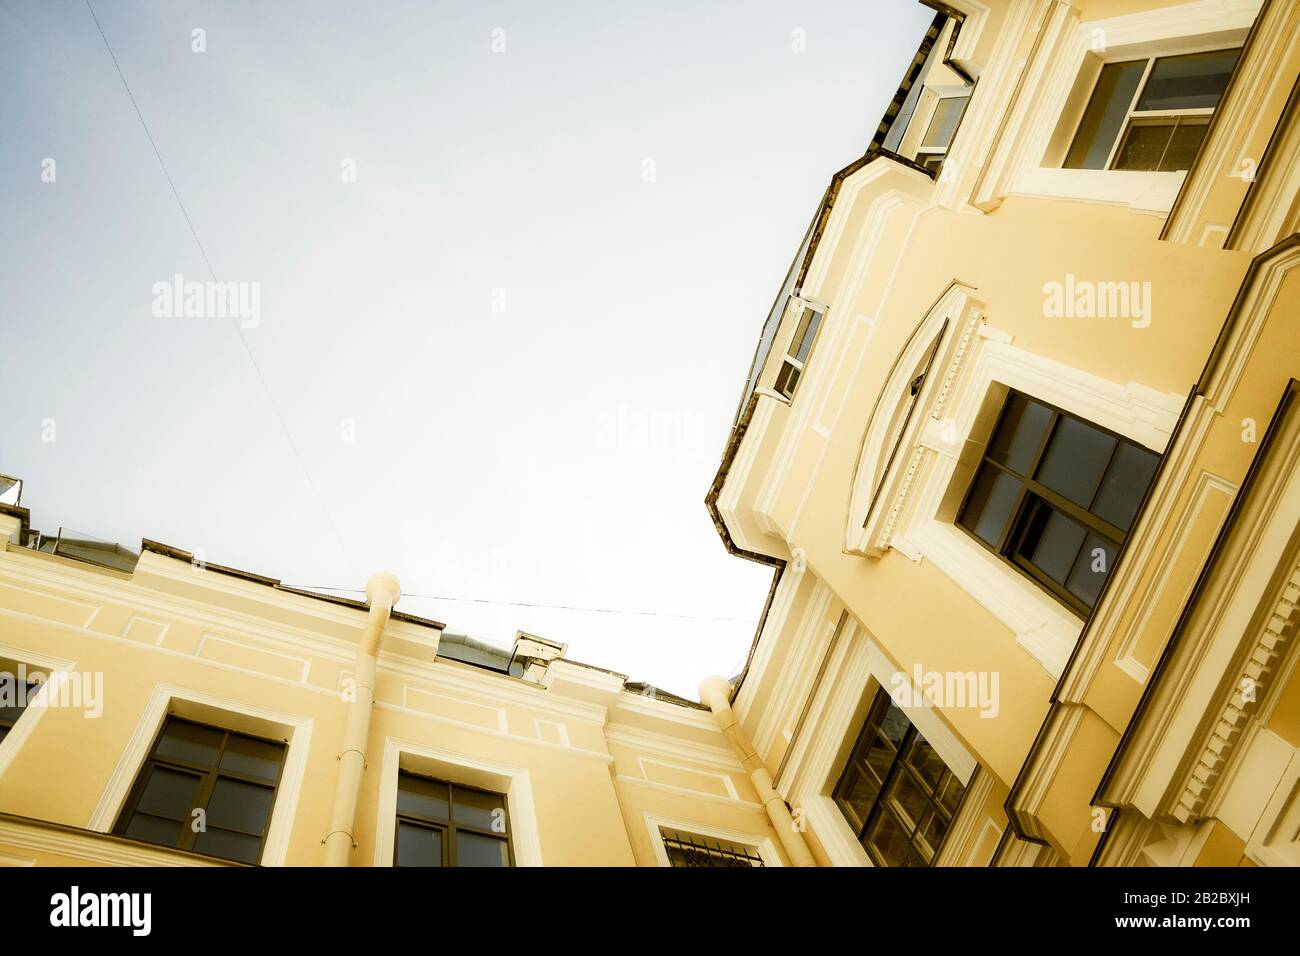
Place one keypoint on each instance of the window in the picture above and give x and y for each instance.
(444, 824)
(689, 849)
(943, 127)
(15, 695)
(800, 345)
(231, 777)
(1151, 114)
(896, 791)
(1056, 496)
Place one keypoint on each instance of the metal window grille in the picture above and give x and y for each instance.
(689, 849)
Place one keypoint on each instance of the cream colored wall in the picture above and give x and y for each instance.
(259, 648)
(902, 243)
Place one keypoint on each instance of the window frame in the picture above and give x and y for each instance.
(925, 155)
(853, 767)
(790, 358)
(203, 794)
(450, 827)
(1133, 116)
(738, 855)
(1008, 547)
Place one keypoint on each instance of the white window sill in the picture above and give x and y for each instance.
(1140, 191)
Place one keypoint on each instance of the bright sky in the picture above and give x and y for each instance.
(507, 297)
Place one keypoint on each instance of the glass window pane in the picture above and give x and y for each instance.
(894, 724)
(16, 697)
(229, 846)
(1126, 481)
(1193, 81)
(190, 743)
(858, 797)
(1144, 145)
(812, 319)
(253, 757)
(991, 501)
(929, 836)
(169, 793)
(906, 798)
(1019, 433)
(943, 125)
(950, 794)
(887, 841)
(420, 797)
(1090, 569)
(1181, 152)
(880, 757)
(801, 331)
(236, 805)
(786, 381)
(418, 846)
(149, 829)
(1076, 458)
(487, 811)
(1105, 115)
(925, 760)
(473, 849)
(1052, 541)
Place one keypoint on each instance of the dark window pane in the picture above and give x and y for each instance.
(190, 743)
(149, 829)
(1090, 569)
(229, 846)
(990, 504)
(423, 798)
(887, 841)
(20, 695)
(858, 797)
(418, 846)
(1052, 541)
(1076, 458)
(786, 381)
(950, 794)
(1104, 117)
(879, 756)
(486, 811)
(929, 835)
(906, 798)
(252, 757)
(472, 849)
(1144, 146)
(236, 805)
(1126, 481)
(1193, 81)
(1181, 152)
(1019, 433)
(894, 724)
(4, 732)
(169, 793)
(927, 763)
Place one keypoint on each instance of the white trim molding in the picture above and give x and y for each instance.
(170, 699)
(455, 767)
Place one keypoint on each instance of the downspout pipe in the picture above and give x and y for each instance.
(382, 592)
(715, 692)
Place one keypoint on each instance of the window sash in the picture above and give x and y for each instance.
(209, 777)
(451, 827)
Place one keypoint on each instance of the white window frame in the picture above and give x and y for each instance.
(457, 768)
(792, 348)
(26, 723)
(169, 700)
(655, 823)
(926, 153)
(1017, 164)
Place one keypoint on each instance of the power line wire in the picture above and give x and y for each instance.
(556, 607)
(284, 425)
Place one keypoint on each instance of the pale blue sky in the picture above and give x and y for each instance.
(497, 454)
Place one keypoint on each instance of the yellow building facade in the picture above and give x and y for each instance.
(1020, 443)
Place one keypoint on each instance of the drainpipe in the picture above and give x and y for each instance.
(382, 592)
(716, 693)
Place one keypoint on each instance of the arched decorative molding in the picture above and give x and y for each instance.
(913, 396)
